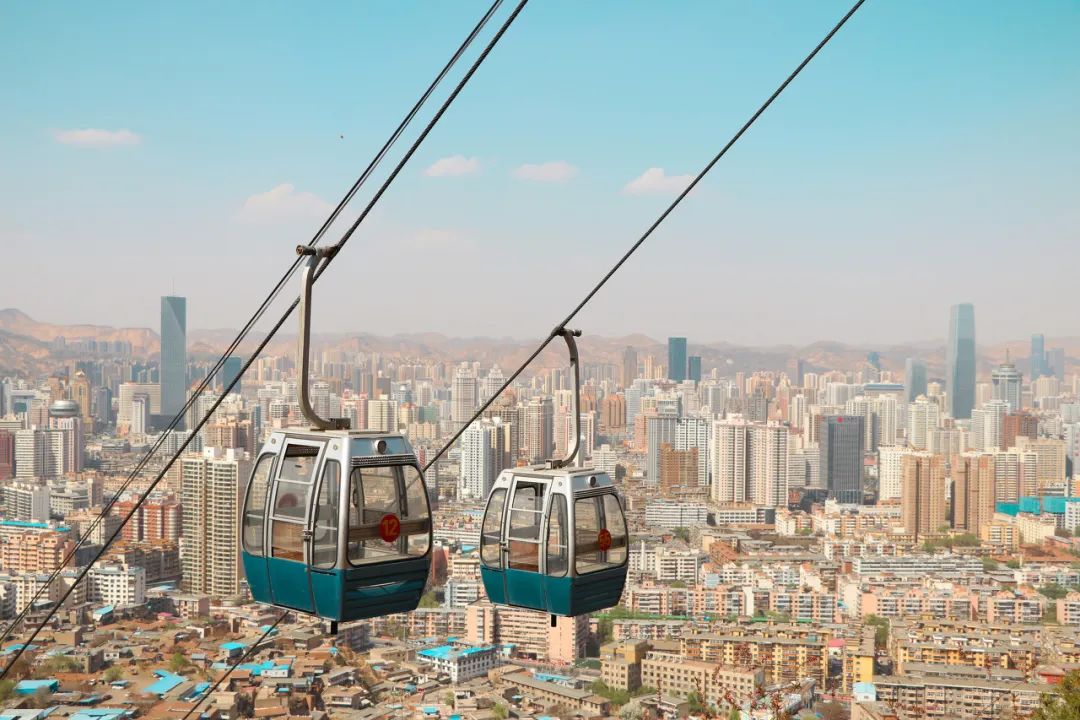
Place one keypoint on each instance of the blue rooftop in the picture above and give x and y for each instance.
(29, 687)
(100, 714)
(444, 652)
(230, 646)
(166, 683)
(108, 609)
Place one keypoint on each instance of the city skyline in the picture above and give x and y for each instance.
(946, 209)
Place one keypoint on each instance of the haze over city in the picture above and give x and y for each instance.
(928, 157)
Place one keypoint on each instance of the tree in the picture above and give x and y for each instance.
(1013, 564)
(631, 712)
(178, 662)
(735, 714)
(448, 700)
(989, 564)
(682, 533)
(1064, 702)
(428, 600)
(1054, 591)
(605, 629)
(697, 703)
(114, 673)
(881, 629)
(7, 689)
(499, 711)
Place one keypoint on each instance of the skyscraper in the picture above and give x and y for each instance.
(173, 374)
(231, 371)
(693, 368)
(960, 361)
(210, 553)
(676, 355)
(539, 429)
(914, 378)
(922, 498)
(1038, 356)
(1006, 381)
(629, 366)
(661, 429)
(477, 461)
(841, 447)
(463, 395)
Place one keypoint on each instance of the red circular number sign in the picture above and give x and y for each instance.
(389, 528)
(603, 540)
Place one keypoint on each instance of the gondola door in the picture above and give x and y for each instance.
(290, 547)
(522, 547)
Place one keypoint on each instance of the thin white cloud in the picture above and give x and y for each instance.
(557, 171)
(96, 137)
(655, 181)
(453, 165)
(282, 202)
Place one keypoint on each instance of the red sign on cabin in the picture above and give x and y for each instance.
(389, 528)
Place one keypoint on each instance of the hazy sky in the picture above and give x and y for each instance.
(928, 156)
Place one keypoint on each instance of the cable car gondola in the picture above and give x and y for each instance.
(554, 536)
(336, 522)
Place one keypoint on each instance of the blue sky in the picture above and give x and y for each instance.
(928, 156)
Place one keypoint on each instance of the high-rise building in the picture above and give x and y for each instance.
(987, 425)
(751, 462)
(840, 438)
(661, 429)
(1038, 356)
(539, 429)
(629, 366)
(210, 551)
(924, 417)
(1016, 425)
(7, 455)
(693, 368)
(768, 477)
(230, 371)
(693, 433)
(477, 461)
(960, 361)
(173, 371)
(973, 491)
(463, 395)
(676, 353)
(678, 471)
(1007, 381)
(730, 459)
(914, 378)
(1055, 361)
(80, 393)
(890, 471)
(922, 497)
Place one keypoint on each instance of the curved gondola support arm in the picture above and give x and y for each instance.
(571, 346)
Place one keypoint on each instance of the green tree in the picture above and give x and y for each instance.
(735, 714)
(697, 703)
(990, 565)
(178, 662)
(7, 689)
(114, 673)
(1064, 702)
(428, 600)
(1013, 564)
(1054, 591)
(448, 700)
(499, 711)
(881, 629)
(682, 533)
(605, 629)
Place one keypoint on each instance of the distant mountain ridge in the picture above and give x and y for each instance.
(25, 348)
